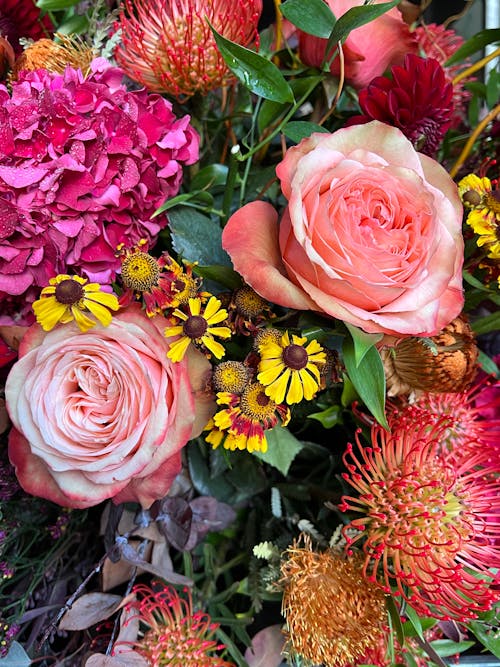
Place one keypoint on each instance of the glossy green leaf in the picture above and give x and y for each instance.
(297, 130)
(395, 619)
(368, 378)
(224, 275)
(487, 364)
(362, 341)
(486, 324)
(447, 647)
(258, 74)
(210, 176)
(271, 112)
(410, 628)
(282, 448)
(328, 418)
(414, 621)
(55, 5)
(197, 237)
(194, 198)
(349, 394)
(475, 43)
(490, 640)
(74, 25)
(312, 16)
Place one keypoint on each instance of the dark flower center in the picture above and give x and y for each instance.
(69, 292)
(472, 197)
(195, 326)
(295, 357)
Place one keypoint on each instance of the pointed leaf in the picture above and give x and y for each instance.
(489, 640)
(89, 609)
(282, 448)
(356, 17)
(297, 130)
(475, 43)
(258, 74)
(16, 657)
(368, 379)
(362, 341)
(196, 237)
(313, 17)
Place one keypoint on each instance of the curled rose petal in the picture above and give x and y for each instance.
(371, 234)
(102, 414)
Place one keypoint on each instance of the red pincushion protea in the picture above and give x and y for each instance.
(168, 46)
(430, 524)
(418, 100)
(173, 633)
(21, 18)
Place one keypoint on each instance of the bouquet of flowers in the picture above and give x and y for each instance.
(249, 271)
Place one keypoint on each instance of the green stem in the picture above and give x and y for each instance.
(279, 127)
(232, 175)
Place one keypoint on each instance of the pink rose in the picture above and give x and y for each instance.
(371, 234)
(103, 414)
(369, 50)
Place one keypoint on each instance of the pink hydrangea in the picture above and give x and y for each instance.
(84, 163)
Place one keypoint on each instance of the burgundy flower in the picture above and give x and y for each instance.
(418, 100)
(21, 18)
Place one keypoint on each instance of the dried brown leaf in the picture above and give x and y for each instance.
(89, 609)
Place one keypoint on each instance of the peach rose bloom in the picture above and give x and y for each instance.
(371, 234)
(369, 50)
(103, 414)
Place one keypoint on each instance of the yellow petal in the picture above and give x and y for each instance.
(99, 311)
(48, 312)
(211, 309)
(276, 391)
(104, 298)
(269, 375)
(222, 332)
(178, 348)
(309, 384)
(173, 331)
(295, 391)
(194, 306)
(84, 323)
(215, 348)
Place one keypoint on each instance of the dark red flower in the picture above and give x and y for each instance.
(418, 100)
(21, 18)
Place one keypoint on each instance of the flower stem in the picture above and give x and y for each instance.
(476, 66)
(470, 142)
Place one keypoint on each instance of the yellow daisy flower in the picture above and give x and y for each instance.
(198, 327)
(483, 202)
(242, 424)
(69, 298)
(288, 370)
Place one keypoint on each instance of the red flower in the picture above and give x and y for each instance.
(418, 100)
(21, 18)
(168, 46)
(429, 521)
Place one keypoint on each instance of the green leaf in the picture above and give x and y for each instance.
(271, 112)
(330, 417)
(487, 364)
(355, 18)
(486, 324)
(447, 647)
(282, 448)
(224, 275)
(490, 640)
(74, 25)
(192, 198)
(258, 74)
(55, 5)
(475, 43)
(210, 176)
(297, 130)
(410, 629)
(368, 379)
(196, 237)
(313, 16)
(414, 621)
(349, 394)
(362, 341)
(395, 619)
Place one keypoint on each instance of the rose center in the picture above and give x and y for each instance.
(295, 357)
(68, 292)
(195, 326)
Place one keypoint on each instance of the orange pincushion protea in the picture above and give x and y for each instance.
(429, 521)
(168, 46)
